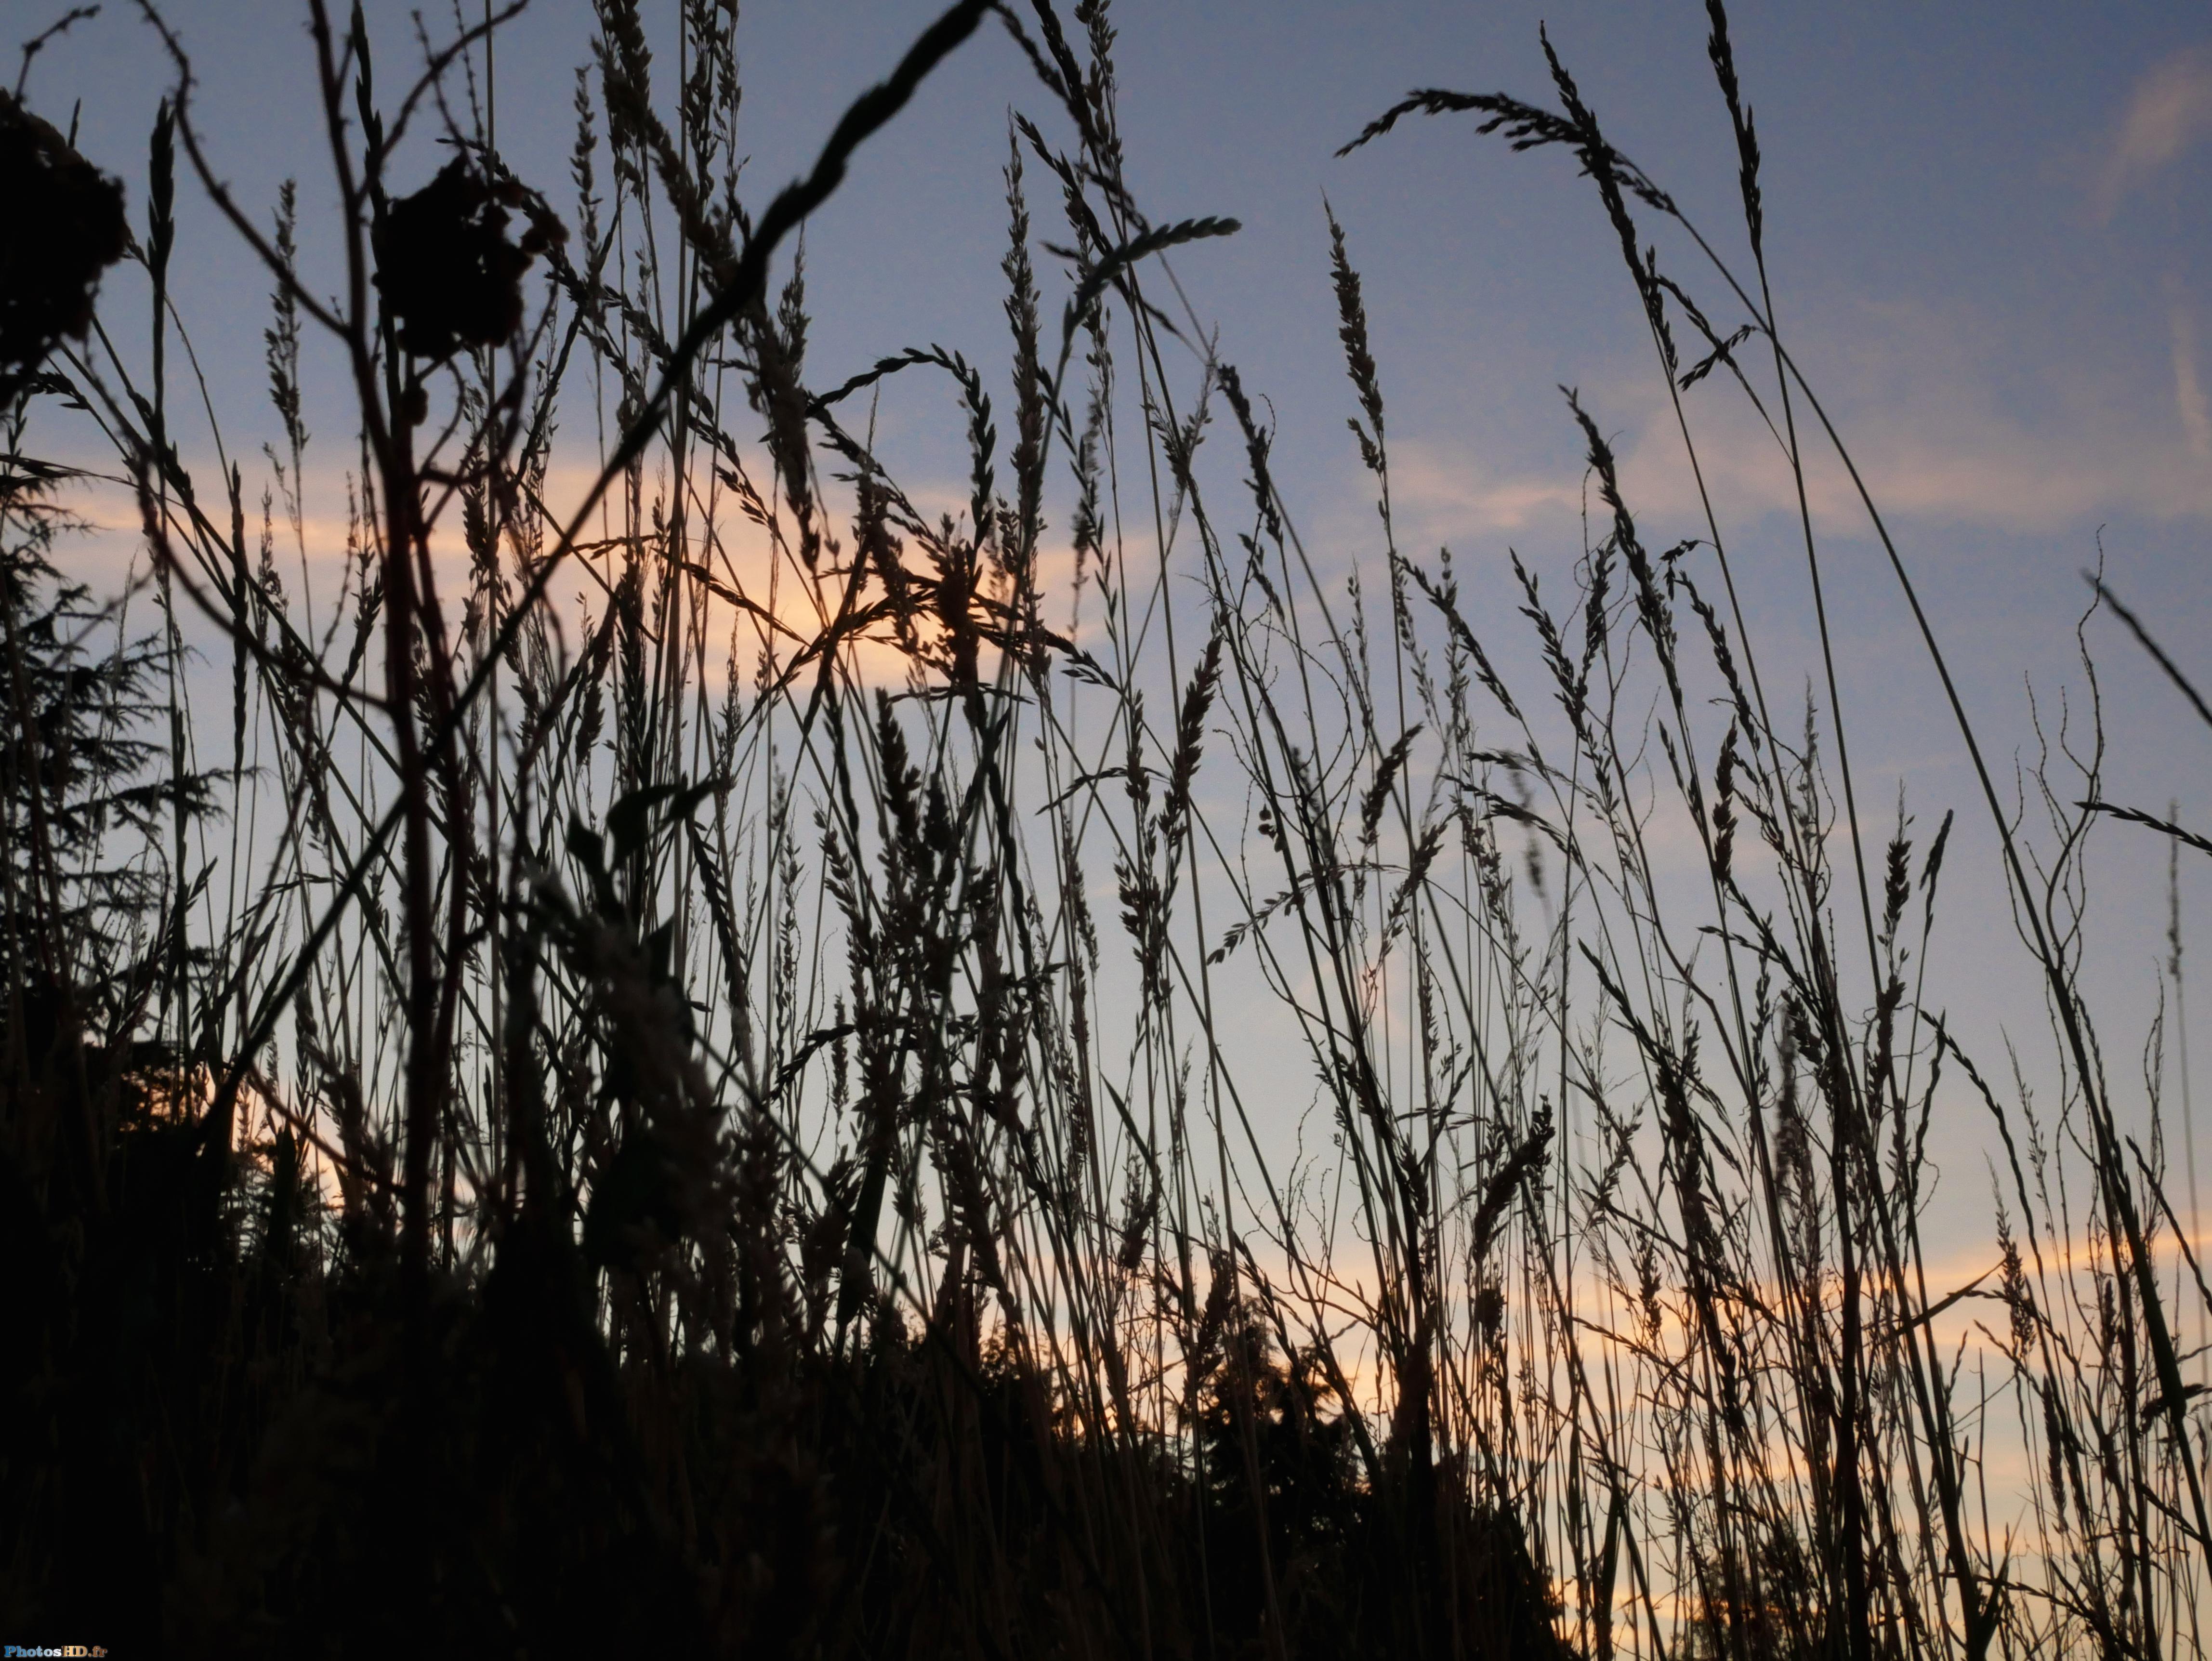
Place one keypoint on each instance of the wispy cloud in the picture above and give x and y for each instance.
(1441, 489)
(1949, 421)
(2170, 110)
(2189, 397)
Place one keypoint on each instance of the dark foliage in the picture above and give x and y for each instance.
(61, 225)
(445, 266)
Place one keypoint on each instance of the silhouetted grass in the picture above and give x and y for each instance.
(726, 1117)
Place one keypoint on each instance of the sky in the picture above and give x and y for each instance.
(1987, 230)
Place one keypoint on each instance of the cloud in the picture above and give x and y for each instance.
(2170, 109)
(1441, 490)
(1950, 420)
(2189, 397)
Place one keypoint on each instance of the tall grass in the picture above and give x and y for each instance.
(699, 1059)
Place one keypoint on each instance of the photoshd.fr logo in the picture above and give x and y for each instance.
(9, 1651)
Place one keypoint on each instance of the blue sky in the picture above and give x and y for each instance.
(1987, 226)
(1988, 229)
